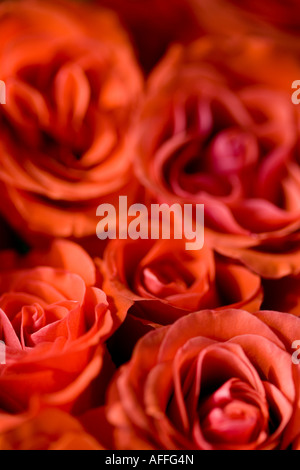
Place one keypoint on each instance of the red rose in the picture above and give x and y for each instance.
(72, 87)
(54, 324)
(213, 380)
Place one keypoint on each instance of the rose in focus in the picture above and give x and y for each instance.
(211, 381)
(54, 323)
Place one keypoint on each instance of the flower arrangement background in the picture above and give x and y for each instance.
(140, 344)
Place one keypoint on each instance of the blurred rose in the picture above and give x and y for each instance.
(214, 131)
(155, 24)
(47, 430)
(54, 324)
(72, 88)
(213, 380)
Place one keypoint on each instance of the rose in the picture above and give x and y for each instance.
(54, 323)
(164, 282)
(72, 88)
(8, 238)
(49, 429)
(218, 128)
(212, 380)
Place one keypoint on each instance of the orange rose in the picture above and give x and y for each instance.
(54, 324)
(164, 282)
(72, 87)
(212, 381)
(274, 20)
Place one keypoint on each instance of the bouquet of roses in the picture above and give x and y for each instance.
(150, 225)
